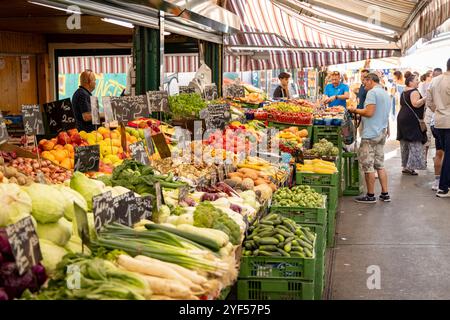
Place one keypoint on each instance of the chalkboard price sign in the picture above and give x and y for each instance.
(87, 159)
(144, 207)
(161, 145)
(60, 115)
(32, 120)
(186, 89)
(138, 152)
(158, 101)
(210, 92)
(3, 131)
(129, 108)
(103, 210)
(94, 110)
(235, 91)
(24, 244)
(107, 109)
(125, 209)
(216, 116)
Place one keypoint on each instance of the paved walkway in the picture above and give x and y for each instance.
(408, 239)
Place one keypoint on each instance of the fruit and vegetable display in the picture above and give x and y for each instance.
(291, 139)
(298, 196)
(302, 106)
(186, 106)
(277, 236)
(317, 166)
(322, 148)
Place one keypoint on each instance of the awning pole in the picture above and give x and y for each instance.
(161, 50)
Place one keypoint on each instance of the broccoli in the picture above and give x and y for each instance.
(208, 216)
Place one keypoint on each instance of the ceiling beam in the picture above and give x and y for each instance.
(289, 5)
(421, 5)
(350, 14)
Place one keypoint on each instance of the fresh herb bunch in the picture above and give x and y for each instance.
(186, 105)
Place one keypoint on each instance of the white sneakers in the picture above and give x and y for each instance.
(435, 186)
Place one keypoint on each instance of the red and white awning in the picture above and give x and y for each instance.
(181, 63)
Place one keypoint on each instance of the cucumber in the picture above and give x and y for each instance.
(284, 253)
(280, 245)
(277, 221)
(256, 252)
(268, 247)
(287, 247)
(288, 225)
(296, 248)
(268, 240)
(271, 216)
(285, 233)
(297, 254)
(311, 236)
(256, 238)
(267, 222)
(269, 254)
(304, 238)
(248, 245)
(282, 227)
(295, 243)
(267, 234)
(247, 253)
(305, 245)
(279, 237)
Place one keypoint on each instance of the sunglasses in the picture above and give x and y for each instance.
(335, 73)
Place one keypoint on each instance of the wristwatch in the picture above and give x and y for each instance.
(336, 97)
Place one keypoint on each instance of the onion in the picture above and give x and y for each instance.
(36, 165)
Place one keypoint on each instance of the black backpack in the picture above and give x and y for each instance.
(348, 129)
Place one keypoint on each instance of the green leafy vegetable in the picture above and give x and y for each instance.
(186, 105)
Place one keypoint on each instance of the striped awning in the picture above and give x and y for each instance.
(433, 16)
(293, 60)
(120, 64)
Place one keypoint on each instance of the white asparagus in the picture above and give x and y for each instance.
(167, 287)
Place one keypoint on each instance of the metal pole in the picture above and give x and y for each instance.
(161, 50)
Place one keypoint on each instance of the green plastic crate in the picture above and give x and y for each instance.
(303, 215)
(317, 179)
(332, 197)
(282, 126)
(331, 133)
(319, 281)
(352, 185)
(295, 268)
(331, 227)
(269, 289)
(330, 192)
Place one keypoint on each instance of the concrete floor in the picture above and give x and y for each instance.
(408, 239)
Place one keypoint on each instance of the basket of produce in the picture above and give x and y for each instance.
(317, 172)
(278, 248)
(301, 204)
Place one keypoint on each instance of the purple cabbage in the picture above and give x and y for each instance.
(236, 208)
(39, 272)
(210, 196)
(5, 247)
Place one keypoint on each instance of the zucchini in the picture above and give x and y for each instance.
(247, 253)
(202, 239)
(304, 238)
(271, 216)
(267, 222)
(282, 227)
(284, 253)
(255, 252)
(280, 245)
(295, 243)
(266, 234)
(256, 238)
(296, 248)
(287, 224)
(311, 236)
(277, 221)
(305, 245)
(279, 237)
(268, 240)
(285, 233)
(248, 245)
(268, 247)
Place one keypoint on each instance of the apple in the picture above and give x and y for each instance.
(63, 138)
(76, 138)
(48, 146)
(71, 132)
(42, 142)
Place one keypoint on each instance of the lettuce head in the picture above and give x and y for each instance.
(15, 204)
(47, 202)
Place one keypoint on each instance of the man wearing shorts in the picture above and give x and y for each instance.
(375, 120)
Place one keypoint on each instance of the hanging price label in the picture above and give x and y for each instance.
(24, 244)
(32, 120)
(125, 209)
(87, 159)
(103, 210)
(158, 101)
(144, 207)
(60, 115)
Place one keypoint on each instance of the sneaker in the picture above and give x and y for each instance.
(366, 199)
(443, 194)
(385, 198)
(435, 186)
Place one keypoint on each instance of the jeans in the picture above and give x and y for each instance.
(444, 182)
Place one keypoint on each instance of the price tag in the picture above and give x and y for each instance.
(60, 115)
(161, 145)
(94, 111)
(3, 131)
(144, 207)
(210, 92)
(138, 152)
(125, 209)
(32, 120)
(159, 195)
(128, 108)
(220, 173)
(82, 225)
(103, 210)
(235, 91)
(186, 89)
(216, 116)
(182, 193)
(158, 101)
(24, 244)
(107, 109)
(87, 159)
(149, 141)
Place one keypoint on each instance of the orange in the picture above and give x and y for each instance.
(58, 147)
(116, 142)
(61, 155)
(69, 148)
(115, 135)
(66, 163)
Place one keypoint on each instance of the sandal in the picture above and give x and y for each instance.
(410, 172)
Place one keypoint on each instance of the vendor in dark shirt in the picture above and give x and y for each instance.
(282, 91)
(81, 101)
(362, 93)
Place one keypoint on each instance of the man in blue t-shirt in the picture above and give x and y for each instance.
(336, 93)
(375, 119)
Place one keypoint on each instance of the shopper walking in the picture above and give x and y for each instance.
(375, 118)
(439, 102)
(425, 81)
(412, 138)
